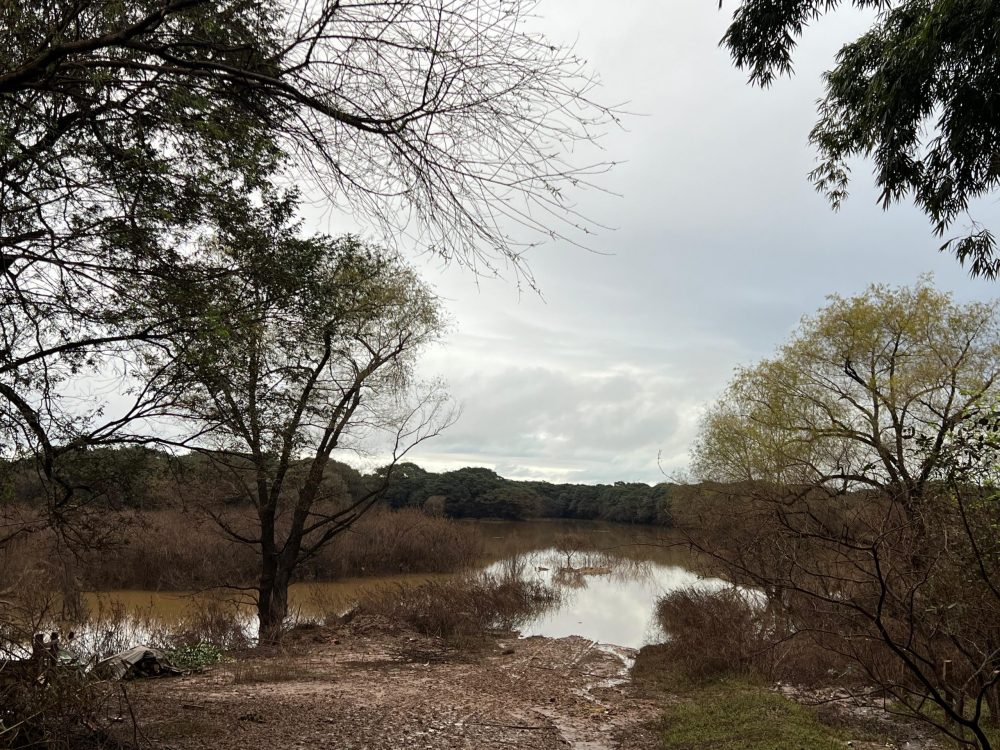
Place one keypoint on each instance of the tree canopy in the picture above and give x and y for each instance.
(852, 478)
(307, 349)
(865, 395)
(918, 93)
(133, 134)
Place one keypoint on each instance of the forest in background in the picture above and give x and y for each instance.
(139, 478)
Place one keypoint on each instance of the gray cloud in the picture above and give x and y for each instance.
(546, 422)
(720, 246)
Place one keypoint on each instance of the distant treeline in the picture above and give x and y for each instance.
(144, 478)
(482, 493)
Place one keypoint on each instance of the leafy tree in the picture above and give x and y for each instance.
(407, 487)
(918, 92)
(482, 493)
(312, 357)
(465, 490)
(864, 395)
(833, 484)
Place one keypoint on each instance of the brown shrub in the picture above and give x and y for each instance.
(460, 607)
(55, 707)
(724, 633)
(221, 622)
(401, 541)
(46, 699)
(178, 550)
(711, 634)
(171, 550)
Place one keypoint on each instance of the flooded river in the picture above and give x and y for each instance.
(630, 567)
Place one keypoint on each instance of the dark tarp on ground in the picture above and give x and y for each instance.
(138, 661)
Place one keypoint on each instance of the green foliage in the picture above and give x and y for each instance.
(482, 493)
(864, 395)
(918, 92)
(149, 479)
(321, 339)
(739, 716)
(851, 479)
(195, 656)
(139, 138)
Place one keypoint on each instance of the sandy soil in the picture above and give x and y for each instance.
(372, 686)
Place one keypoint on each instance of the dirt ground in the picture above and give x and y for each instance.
(371, 686)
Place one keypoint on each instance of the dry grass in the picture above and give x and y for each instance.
(267, 671)
(175, 550)
(45, 701)
(402, 541)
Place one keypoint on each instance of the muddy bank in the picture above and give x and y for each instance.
(368, 685)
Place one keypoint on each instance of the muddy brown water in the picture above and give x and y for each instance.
(631, 566)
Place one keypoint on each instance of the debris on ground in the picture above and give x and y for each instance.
(138, 661)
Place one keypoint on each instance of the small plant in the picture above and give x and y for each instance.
(728, 633)
(195, 656)
(569, 545)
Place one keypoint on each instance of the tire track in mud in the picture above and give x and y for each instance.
(401, 690)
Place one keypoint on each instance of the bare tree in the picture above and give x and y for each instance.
(132, 130)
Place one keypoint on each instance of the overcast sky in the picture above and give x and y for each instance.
(720, 246)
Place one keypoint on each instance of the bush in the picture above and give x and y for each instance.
(182, 551)
(195, 656)
(460, 607)
(729, 633)
(711, 634)
(46, 700)
(402, 541)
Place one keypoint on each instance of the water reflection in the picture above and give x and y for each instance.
(609, 575)
(609, 607)
(630, 567)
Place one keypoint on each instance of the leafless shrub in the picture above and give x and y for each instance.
(729, 632)
(460, 607)
(170, 549)
(112, 627)
(406, 540)
(570, 545)
(47, 698)
(221, 622)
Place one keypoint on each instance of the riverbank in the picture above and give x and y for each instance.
(373, 685)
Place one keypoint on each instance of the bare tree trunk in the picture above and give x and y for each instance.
(272, 602)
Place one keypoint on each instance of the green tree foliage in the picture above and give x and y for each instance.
(918, 93)
(482, 493)
(852, 478)
(407, 485)
(865, 395)
(142, 478)
(309, 352)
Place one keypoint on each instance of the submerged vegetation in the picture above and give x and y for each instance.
(172, 550)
